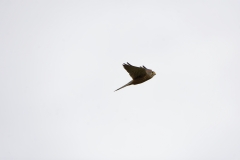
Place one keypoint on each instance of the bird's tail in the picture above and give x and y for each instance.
(128, 84)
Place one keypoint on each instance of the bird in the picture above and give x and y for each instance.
(138, 74)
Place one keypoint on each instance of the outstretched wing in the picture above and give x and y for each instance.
(135, 72)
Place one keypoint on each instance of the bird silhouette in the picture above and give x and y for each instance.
(138, 74)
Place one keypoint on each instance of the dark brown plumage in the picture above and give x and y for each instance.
(138, 74)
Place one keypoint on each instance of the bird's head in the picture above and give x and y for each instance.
(153, 73)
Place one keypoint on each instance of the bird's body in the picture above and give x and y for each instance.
(138, 74)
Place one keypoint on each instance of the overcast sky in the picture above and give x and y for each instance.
(60, 62)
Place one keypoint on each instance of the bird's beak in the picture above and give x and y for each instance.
(154, 73)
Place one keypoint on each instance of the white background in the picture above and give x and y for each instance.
(60, 62)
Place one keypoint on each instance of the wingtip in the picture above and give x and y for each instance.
(126, 64)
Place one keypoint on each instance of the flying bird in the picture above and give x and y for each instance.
(138, 74)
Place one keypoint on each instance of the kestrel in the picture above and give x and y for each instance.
(138, 74)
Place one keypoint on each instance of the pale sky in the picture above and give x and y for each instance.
(60, 62)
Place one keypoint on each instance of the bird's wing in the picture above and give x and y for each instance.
(135, 72)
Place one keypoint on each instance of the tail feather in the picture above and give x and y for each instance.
(128, 84)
